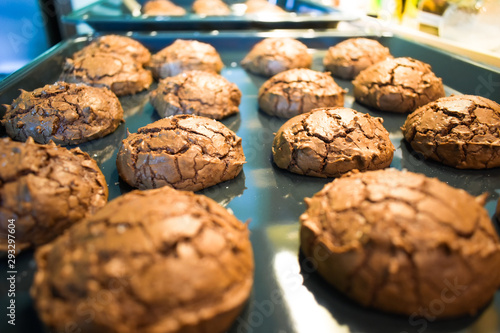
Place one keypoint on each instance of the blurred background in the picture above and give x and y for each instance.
(30, 27)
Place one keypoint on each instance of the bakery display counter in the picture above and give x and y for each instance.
(288, 295)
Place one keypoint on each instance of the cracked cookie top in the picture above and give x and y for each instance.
(328, 142)
(164, 261)
(398, 241)
(119, 45)
(46, 189)
(275, 55)
(162, 7)
(184, 152)
(460, 131)
(65, 113)
(349, 57)
(121, 73)
(297, 91)
(397, 85)
(185, 55)
(196, 92)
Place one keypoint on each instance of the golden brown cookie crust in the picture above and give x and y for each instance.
(211, 7)
(185, 55)
(297, 91)
(46, 189)
(161, 260)
(349, 57)
(118, 45)
(120, 73)
(65, 113)
(162, 7)
(328, 142)
(459, 131)
(184, 152)
(196, 92)
(277, 54)
(397, 85)
(398, 241)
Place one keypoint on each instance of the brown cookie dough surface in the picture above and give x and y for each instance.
(185, 55)
(262, 7)
(65, 113)
(120, 73)
(328, 142)
(162, 7)
(297, 91)
(459, 131)
(397, 85)
(398, 241)
(119, 45)
(160, 260)
(184, 152)
(196, 92)
(277, 54)
(349, 57)
(46, 189)
(211, 8)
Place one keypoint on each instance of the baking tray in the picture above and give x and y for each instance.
(112, 15)
(288, 296)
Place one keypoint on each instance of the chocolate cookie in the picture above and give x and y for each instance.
(403, 243)
(162, 7)
(196, 92)
(297, 91)
(274, 55)
(185, 55)
(397, 85)
(459, 131)
(328, 142)
(211, 7)
(46, 189)
(65, 113)
(184, 152)
(119, 45)
(150, 261)
(262, 7)
(118, 72)
(351, 56)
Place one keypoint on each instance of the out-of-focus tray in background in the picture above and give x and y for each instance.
(288, 296)
(113, 15)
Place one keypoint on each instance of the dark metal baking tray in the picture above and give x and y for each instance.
(111, 15)
(288, 296)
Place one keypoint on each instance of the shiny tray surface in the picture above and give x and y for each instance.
(112, 15)
(288, 296)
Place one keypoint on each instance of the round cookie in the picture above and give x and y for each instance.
(121, 73)
(185, 152)
(65, 113)
(459, 131)
(162, 7)
(46, 189)
(397, 85)
(262, 7)
(297, 91)
(277, 54)
(196, 92)
(156, 261)
(349, 57)
(119, 45)
(328, 142)
(185, 55)
(402, 242)
(211, 7)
